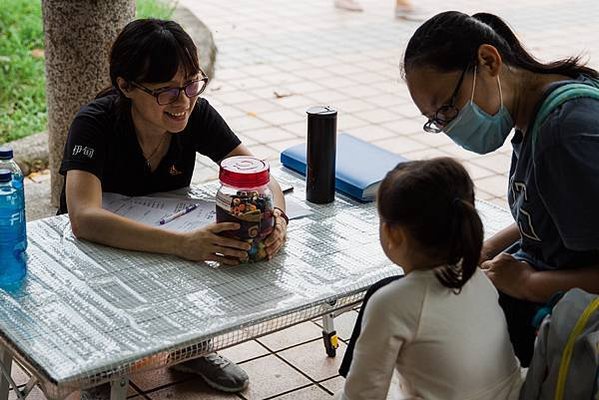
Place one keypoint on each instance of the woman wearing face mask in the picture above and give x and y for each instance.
(473, 80)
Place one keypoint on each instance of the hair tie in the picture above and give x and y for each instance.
(455, 201)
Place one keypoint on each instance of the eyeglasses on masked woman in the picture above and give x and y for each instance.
(446, 113)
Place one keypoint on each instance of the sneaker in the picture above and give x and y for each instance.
(217, 372)
(349, 5)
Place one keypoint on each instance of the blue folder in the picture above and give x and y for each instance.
(360, 166)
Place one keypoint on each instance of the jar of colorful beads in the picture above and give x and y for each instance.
(245, 198)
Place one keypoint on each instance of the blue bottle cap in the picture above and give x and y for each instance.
(5, 175)
(5, 153)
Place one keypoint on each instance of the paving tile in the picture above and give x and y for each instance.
(404, 126)
(264, 152)
(499, 163)
(244, 351)
(347, 122)
(312, 360)
(281, 117)
(377, 115)
(246, 123)
(425, 154)
(191, 390)
(496, 185)
(371, 133)
(155, 378)
(334, 384)
(400, 144)
(500, 201)
(268, 134)
(328, 97)
(19, 374)
(344, 324)
(476, 172)
(285, 144)
(270, 376)
(292, 336)
(257, 107)
(309, 393)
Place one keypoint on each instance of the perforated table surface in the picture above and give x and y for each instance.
(87, 313)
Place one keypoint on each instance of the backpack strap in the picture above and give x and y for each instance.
(558, 97)
(567, 354)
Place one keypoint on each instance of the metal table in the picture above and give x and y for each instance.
(88, 314)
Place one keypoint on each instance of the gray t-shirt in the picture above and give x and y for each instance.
(555, 197)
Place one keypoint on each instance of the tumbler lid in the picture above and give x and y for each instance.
(244, 172)
(5, 175)
(322, 111)
(5, 153)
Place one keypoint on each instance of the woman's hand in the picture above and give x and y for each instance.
(275, 240)
(509, 275)
(206, 245)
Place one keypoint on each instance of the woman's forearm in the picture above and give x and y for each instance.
(543, 284)
(500, 241)
(102, 226)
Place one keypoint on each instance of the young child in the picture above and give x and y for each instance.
(440, 326)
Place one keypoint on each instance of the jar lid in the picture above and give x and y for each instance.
(322, 111)
(244, 172)
(5, 175)
(5, 153)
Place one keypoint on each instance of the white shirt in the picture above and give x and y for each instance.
(443, 345)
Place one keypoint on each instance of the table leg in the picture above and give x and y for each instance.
(6, 366)
(329, 335)
(118, 389)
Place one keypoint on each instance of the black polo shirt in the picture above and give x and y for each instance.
(102, 141)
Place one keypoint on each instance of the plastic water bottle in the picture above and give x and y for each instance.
(7, 162)
(13, 239)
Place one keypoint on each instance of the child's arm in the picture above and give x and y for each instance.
(378, 346)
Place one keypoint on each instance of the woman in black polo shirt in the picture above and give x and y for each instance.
(141, 137)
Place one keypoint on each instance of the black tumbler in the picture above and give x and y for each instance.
(320, 154)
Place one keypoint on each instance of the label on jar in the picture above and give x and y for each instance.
(250, 209)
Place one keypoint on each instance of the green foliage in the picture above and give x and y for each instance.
(22, 74)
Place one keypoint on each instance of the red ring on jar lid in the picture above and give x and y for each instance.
(244, 172)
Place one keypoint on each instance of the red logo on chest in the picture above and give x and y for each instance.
(174, 171)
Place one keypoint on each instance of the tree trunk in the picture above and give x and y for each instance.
(78, 36)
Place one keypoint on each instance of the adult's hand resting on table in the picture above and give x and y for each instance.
(205, 244)
(276, 239)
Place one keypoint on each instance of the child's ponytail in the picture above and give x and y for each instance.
(464, 251)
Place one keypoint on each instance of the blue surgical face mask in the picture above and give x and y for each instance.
(477, 131)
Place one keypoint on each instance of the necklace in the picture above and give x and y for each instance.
(153, 153)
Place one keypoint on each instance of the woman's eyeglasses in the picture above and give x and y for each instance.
(170, 95)
(446, 113)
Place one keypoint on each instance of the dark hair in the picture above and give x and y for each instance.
(450, 40)
(151, 50)
(434, 201)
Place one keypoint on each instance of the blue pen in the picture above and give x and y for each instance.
(171, 217)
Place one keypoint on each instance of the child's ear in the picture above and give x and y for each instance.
(395, 235)
(124, 86)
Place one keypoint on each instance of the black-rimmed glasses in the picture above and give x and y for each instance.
(170, 95)
(446, 113)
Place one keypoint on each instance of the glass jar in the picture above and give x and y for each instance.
(245, 198)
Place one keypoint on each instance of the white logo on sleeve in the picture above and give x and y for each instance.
(524, 218)
(86, 151)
